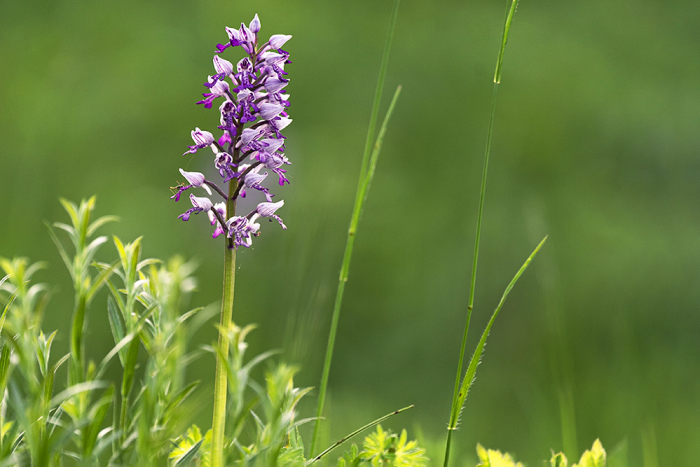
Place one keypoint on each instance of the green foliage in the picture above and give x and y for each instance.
(139, 420)
(191, 449)
(264, 425)
(46, 427)
(594, 457)
(386, 449)
(491, 458)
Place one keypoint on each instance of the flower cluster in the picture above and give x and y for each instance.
(252, 115)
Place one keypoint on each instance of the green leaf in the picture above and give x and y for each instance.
(471, 370)
(558, 460)
(188, 456)
(100, 280)
(34, 267)
(146, 262)
(595, 457)
(61, 250)
(117, 297)
(91, 249)
(84, 212)
(72, 211)
(135, 252)
(130, 366)
(122, 253)
(115, 350)
(187, 447)
(506, 29)
(116, 321)
(378, 144)
(77, 389)
(10, 300)
(99, 223)
(491, 458)
(96, 417)
(60, 362)
(183, 394)
(4, 369)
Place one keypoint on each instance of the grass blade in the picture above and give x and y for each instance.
(369, 159)
(474, 362)
(510, 12)
(359, 430)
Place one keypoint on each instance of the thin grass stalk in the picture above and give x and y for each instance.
(369, 160)
(477, 240)
(220, 379)
(359, 430)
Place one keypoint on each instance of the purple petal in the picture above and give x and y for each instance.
(255, 25)
(269, 111)
(278, 40)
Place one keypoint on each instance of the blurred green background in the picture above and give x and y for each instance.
(596, 144)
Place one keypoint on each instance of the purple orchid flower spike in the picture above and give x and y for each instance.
(252, 116)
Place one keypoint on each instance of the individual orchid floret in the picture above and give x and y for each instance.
(217, 88)
(224, 162)
(223, 69)
(245, 76)
(195, 180)
(275, 85)
(241, 230)
(220, 209)
(255, 25)
(269, 111)
(253, 179)
(201, 139)
(228, 121)
(248, 135)
(249, 36)
(278, 40)
(277, 124)
(268, 210)
(246, 103)
(273, 161)
(199, 205)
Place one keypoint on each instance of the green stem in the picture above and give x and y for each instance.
(220, 379)
(77, 328)
(366, 173)
(454, 417)
(453, 420)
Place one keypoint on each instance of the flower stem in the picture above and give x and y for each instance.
(220, 379)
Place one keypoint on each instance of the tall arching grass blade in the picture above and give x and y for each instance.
(477, 239)
(362, 191)
(369, 160)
